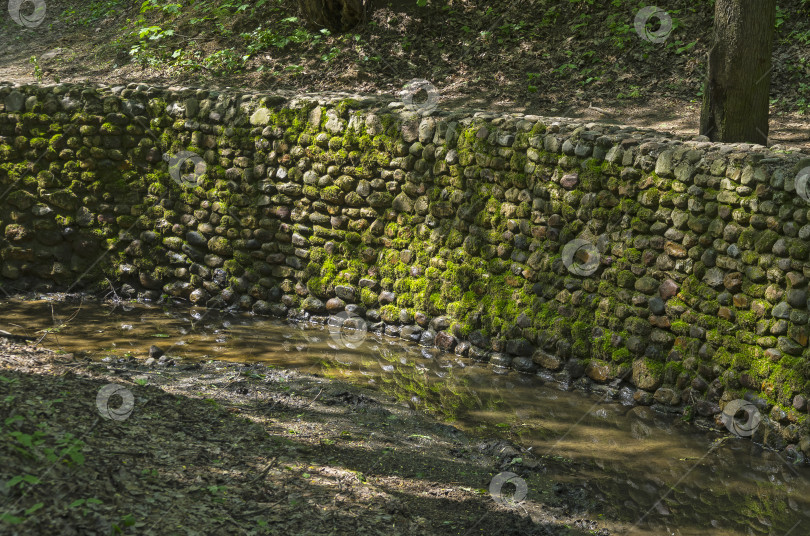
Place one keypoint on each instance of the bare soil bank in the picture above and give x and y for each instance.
(222, 448)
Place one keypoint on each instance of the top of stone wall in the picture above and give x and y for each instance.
(572, 134)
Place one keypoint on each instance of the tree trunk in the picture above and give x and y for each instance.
(336, 15)
(736, 95)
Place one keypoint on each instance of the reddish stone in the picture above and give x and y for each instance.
(445, 341)
(668, 289)
(733, 281)
(569, 181)
(335, 305)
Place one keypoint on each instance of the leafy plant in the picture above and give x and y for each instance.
(126, 521)
(37, 69)
(634, 93)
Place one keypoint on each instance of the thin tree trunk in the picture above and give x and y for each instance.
(736, 95)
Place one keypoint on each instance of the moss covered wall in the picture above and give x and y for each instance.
(690, 283)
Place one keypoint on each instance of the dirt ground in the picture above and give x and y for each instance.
(224, 448)
(546, 57)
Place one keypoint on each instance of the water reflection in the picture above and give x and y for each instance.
(652, 473)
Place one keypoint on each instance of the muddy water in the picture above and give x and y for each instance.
(642, 472)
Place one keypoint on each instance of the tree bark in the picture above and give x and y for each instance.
(336, 15)
(737, 90)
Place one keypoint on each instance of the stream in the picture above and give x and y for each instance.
(651, 473)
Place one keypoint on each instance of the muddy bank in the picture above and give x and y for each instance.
(203, 448)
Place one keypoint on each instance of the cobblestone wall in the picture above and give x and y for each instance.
(673, 269)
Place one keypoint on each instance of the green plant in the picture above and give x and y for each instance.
(37, 69)
(634, 93)
(780, 17)
(83, 502)
(685, 48)
(91, 12)
(126, 521)
(531, 78)
(33, 439)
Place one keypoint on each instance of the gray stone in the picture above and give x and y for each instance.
(345, 292)
(262, 307)
(568, 147)
(789, 346)
(667, 396)
(657, 305)
(402, 203)
(645, 377)
(196, 239)
(706, 408)
(519, 347)
(478, 354)
(312, 304)
(524, 364)
(14, 101)
(797, 297)
(260, 117)
(333, 123)
(781, 310)
(198, 296)
(411, 333)
(427, 338)
(714, 277)
(498, 359)
(547, 360)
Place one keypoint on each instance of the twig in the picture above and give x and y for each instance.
(112, 289)
(314, 399)
(266, 470)
(600, 110)
(60, 326)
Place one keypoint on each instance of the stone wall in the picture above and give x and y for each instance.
(588, 253)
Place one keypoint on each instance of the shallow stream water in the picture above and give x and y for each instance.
(651, 474)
